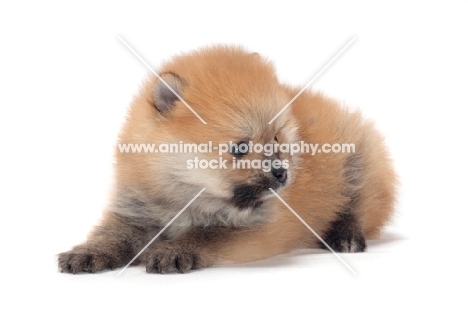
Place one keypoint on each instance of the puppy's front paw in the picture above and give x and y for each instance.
(83, 261)
(166, 257)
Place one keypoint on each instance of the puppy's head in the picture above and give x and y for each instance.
(236, 155)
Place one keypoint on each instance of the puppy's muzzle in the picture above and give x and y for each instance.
(281, 174)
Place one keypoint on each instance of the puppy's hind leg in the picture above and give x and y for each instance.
(345, 234)
(110, 245)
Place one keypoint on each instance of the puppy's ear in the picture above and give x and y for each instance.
(163, 97)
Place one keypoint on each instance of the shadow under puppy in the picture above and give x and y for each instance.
(344, 197)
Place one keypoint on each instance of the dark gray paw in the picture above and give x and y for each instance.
(79, 261)
(345, 236)
(351, 243)
(166, 258)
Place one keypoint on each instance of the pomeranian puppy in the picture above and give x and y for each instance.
(341, 182)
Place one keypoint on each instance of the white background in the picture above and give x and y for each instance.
(66, 82)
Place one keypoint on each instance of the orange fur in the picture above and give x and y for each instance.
(237, 94)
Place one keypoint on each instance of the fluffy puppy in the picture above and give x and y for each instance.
(345, 197)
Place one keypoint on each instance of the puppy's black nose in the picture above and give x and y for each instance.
(281, 174)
